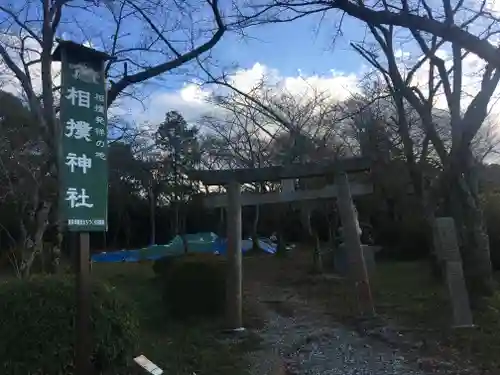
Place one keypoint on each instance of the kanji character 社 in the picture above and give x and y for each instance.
(76, 199)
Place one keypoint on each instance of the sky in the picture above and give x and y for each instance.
(304, 52)
(301, 54)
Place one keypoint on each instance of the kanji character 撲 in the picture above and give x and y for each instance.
(99, 98)
(83, 162)
(76, 199)
(100, 120)
(99, 143)
(78, 130)
(78, 97)
(101, 155)
(99, 108)
(100, 131)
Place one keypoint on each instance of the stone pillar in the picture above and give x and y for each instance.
(357, 267)
(234, 277)
(448, 252)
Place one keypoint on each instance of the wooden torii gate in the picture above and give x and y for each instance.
(234, 200)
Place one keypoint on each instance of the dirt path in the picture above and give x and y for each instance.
(307, 341)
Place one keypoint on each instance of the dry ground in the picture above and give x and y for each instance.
(414, 313)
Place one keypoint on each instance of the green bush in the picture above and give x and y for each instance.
(195, 286)
(163, 265)
(37, 327)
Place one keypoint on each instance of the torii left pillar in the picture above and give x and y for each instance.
(234, 277)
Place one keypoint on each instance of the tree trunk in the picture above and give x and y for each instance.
(33, 244)
(152, 215)
(317, 258)
(312, 239)
(280, 246)
(255, 225)
(54, 239)
(176, 216)
(221, 230)
(119, 226)
(473, 238)
(180, 226)
(127, 231)
(332, 220)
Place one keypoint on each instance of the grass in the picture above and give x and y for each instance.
(178, 348)
(405, 293)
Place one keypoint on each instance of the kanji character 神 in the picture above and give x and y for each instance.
(78, 97)
(83, 162)
(78, 130)
(76, 199)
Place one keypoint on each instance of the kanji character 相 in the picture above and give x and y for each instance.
(78, 97)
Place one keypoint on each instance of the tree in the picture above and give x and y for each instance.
(23, 179)
(180, 152)
(236, 140)
(125, 187)
(468, 26)
(459, 164)
(296, 127)
(28, 31)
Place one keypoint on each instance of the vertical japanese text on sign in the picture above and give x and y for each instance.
(83, 170)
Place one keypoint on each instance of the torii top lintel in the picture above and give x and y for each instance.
(245, 175)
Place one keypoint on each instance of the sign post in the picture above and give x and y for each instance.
(82, 169)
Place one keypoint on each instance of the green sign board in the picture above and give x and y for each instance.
(83, 169)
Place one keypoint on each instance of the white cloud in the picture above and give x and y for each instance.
(8, 81)
(191, 100)
(472, 70)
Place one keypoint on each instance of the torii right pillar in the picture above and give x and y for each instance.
(357, 267)
(234, 277)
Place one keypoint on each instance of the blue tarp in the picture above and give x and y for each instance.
(197, 243)
(246, 245)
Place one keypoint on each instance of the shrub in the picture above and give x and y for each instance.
(195, 286)
(37, 326)
(163, 265)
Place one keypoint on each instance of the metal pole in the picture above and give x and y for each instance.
(83, 342)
